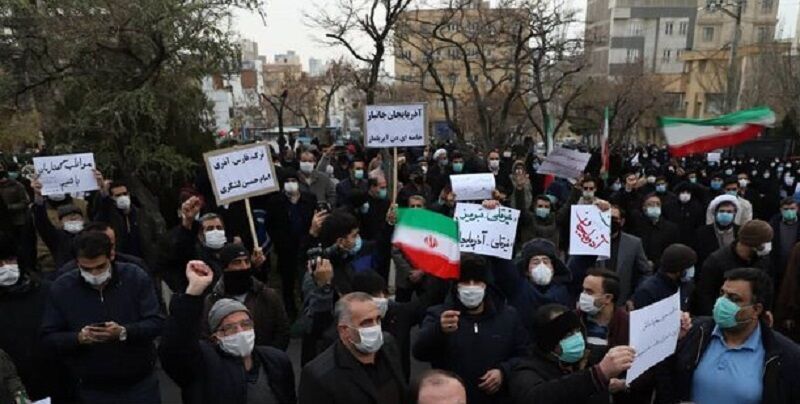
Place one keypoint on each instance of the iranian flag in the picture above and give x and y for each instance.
(429, 241)
(687, 136)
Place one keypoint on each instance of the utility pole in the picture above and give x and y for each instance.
(732, 87)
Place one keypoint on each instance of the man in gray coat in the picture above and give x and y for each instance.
(315, 182)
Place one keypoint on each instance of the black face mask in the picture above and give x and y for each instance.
(237, 282)
(418, 180)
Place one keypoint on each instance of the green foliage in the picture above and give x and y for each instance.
(120, 78)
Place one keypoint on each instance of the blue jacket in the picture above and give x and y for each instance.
(128, 299)
(527, 297)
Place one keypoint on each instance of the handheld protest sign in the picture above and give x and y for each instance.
(240, 172)
(400, 125)
(490, 232)
(68, 173)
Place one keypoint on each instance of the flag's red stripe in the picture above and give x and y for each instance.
(433, 264)
(707, 144)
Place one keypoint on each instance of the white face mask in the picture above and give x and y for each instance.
(240, 344)
(371, 339)
(291, 187)
(471, 296)
(306, 167)
(494, 164)
(9, 274)
(73, 226)
(586, 304)
(123, 202)
(96, 280)
(541, 275)
(215, 239)
(685, 197)
(688, 275)
(383, 305)
(765, 249)
(57, 197)
(329, 170)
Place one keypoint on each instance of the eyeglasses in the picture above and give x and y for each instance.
(233, 328)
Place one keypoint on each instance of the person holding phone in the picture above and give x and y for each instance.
(101, 320)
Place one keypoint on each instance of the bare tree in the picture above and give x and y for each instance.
(474, 60)
(339, 74)
(773, 79)
(557, 60)
(347, 20)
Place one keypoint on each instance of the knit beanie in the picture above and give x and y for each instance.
(755, 233)
(221, 309)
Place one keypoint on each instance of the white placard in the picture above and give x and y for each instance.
(43, 401)
(486, 231)
(713, 157)
(564, 163)
(654, 333)
(66, 173)
(589, 231)
(395, 125)
(240, 172)
(472, 187)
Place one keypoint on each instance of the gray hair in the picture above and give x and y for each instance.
(342, 312)
(209, 216)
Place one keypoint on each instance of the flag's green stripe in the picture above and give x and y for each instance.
(736, 118)
(426, 220)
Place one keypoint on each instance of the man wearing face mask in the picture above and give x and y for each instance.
(537, 222)
(722, 232)
(330, 276)
(415, 186)
(655, 232)
(315, 182)
(751, 249)
(536, 278)
(289, 217)
(356, 181)
(686, 211)
(676, 272)
(58, 241)
(359, 367)
(372, 213)
(629, 198)
(735, 356)
(397, 318)
(196, 239)
(22, 300)
(556, 369)
(270, 322)
(663, 192)
(498, 170)
(786, 229)
(135, 231)
(101, 321)
(228, 367)
(605, 322)
(474, 316)
(744, 212)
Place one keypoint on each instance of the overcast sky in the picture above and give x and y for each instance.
(285, 28)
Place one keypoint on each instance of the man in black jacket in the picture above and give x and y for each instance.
(656, 232)
(555, 370)
(735, 356)
(359, 367)
(721, 233)
(101, 320)
(228, 368)
(473, 316)
(751, 249)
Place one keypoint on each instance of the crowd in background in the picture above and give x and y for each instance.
(96, 289)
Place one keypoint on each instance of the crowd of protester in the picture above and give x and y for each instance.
(98, 290)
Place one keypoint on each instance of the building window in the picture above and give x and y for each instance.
(453, 78)
(708, 34)
(668, 28)
(632, 55)
(666, 56)
(634, 28)
(683, 28)
(714, 103)
(766, 6)
(763, 34)
(676, 101)
(678, 54)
